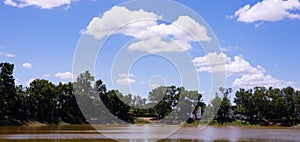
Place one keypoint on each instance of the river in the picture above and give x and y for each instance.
(145, 133)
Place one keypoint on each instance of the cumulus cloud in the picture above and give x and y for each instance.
(144, 26)
(268, 10)
(260, 79)
(245, 74)
(27, 65)
(9, 55)
(43, 4)
(186, 28)
(127, 22)
(125, 79)
(214, 62)
(157, 45)
(65, 75)
(211, 59)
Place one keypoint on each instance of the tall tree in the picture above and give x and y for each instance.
(68, 109)
(8, 95)
(85, 94)
(165, 98)
(43, 98)
(222, 106)
(297, 106)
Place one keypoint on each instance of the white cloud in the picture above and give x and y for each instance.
(187, 28)
(260, 79)
(157, 45)
(211, 59)
(241, 66)
(227, 49)
(9, 55)
(46, 75)
(214, 62)
(43, 4)
(17, 81)
(249, 76)
(27, 65)
(65, 75)
(29, 81)
(268, 10)
(125, 81)
(223, 49)
(154, 85)
(128, 22)
(142, 25)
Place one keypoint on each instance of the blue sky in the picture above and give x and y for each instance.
(259, 39)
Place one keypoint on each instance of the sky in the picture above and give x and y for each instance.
(146, 44)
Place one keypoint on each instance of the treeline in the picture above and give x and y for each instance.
(88, 100)
(260, 105)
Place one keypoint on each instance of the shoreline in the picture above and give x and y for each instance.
(232, 124)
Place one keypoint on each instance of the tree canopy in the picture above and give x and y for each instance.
(88, 100)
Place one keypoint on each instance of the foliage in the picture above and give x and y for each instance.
(8, 95)
(268, 106)
(46, 102)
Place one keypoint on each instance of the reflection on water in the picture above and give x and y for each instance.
(144, 133)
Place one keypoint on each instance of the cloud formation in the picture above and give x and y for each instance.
(157, 45)
(245, 74)
(214, 62)
(43, 4)
(6, 54)
(127, 22)
(27, 65)
(260, 79)
(125, 79)
(144, 26)
(268, 10)
(65, 75)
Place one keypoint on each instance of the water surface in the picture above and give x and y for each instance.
(144, 133)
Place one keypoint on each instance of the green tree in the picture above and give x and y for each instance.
(116, 106)
(85, 94)
(8, 95)
(165, 98)
(43, 100)
(68, 109)
(221, 106)
(297, 106)
(289, 98)
(189, 104)
(225, 107)
(22, 103)
(245, 105)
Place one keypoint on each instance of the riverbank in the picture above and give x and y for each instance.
(236, 123)
(139, 121)
(30, 123)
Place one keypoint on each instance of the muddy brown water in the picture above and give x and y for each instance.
(145, 133)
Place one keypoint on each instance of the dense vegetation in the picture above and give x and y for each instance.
(46, 102)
